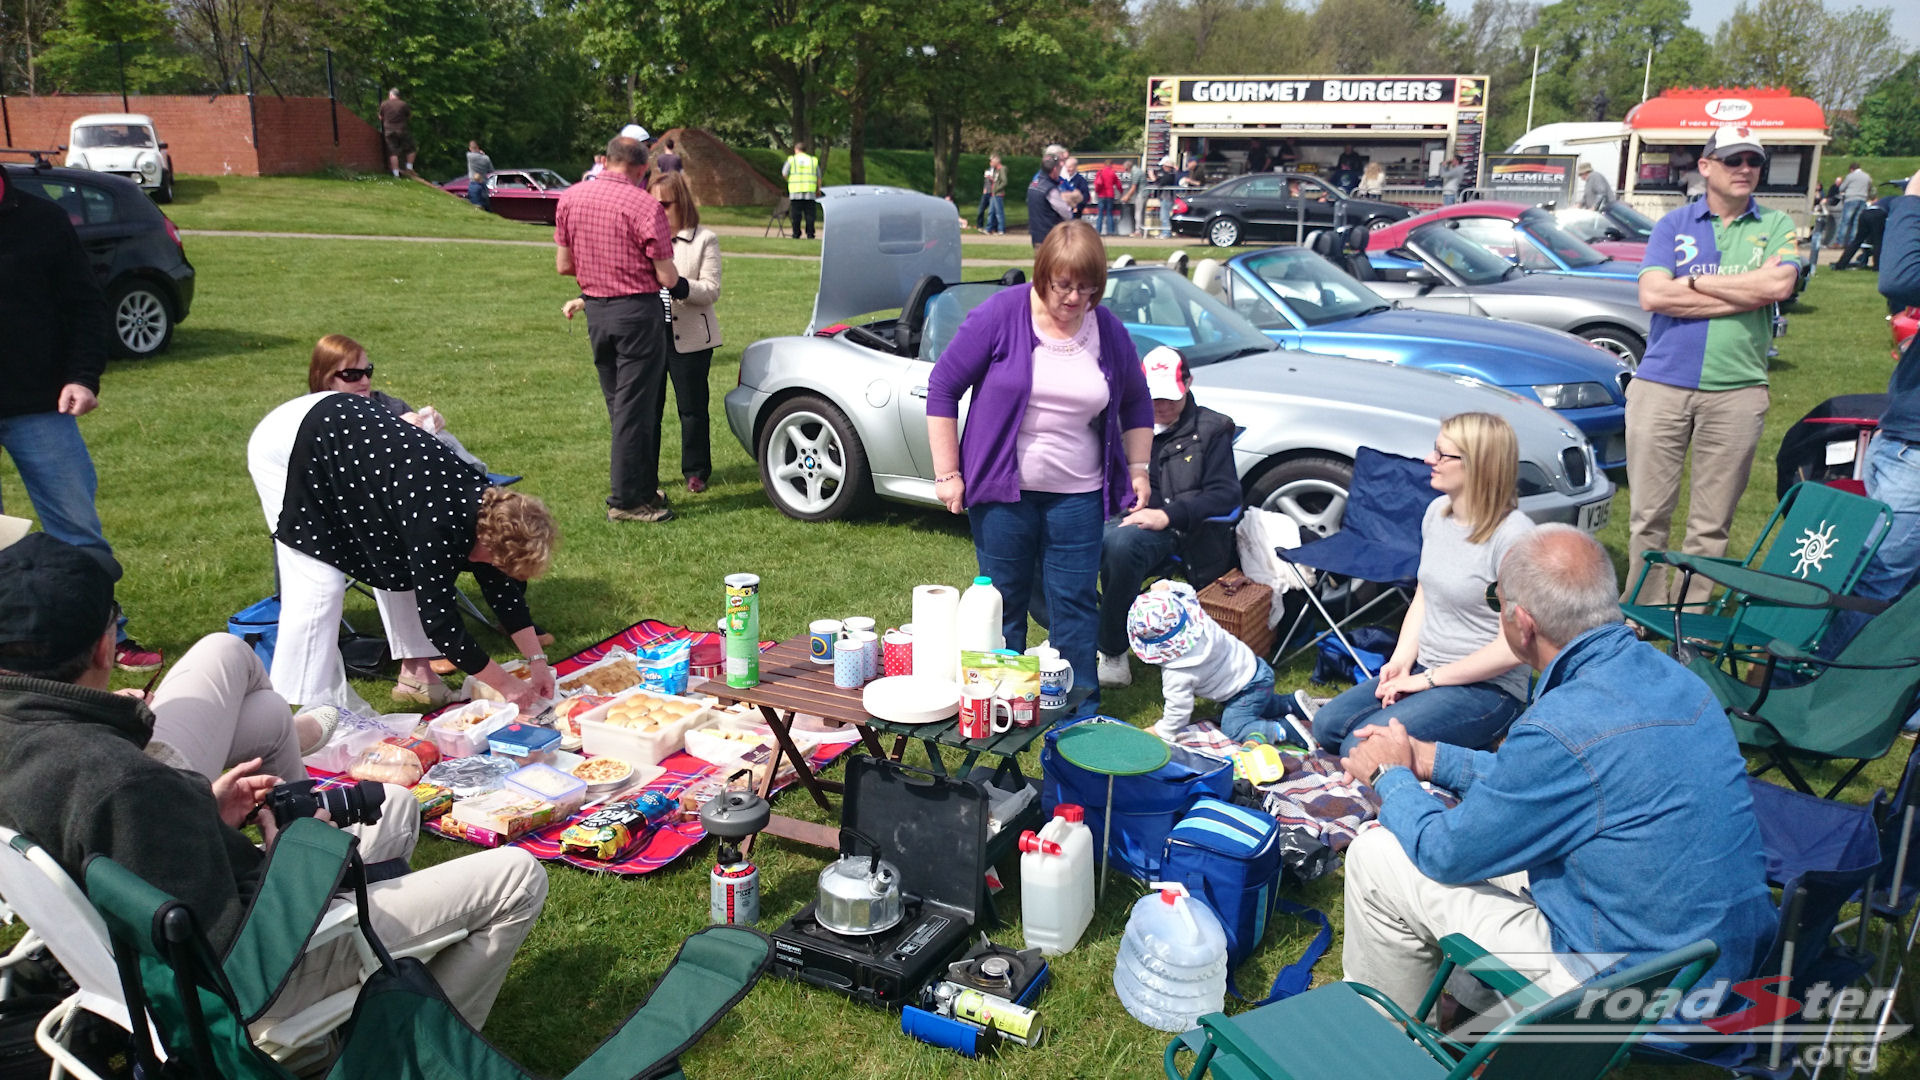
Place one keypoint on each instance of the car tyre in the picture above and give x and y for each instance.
(1223, 232)
(142, 319)
(812, 464)
(1617, 340)
(164, 193)
(1312, 490)
(1376, 224)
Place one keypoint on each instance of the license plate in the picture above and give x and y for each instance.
(1594, 516)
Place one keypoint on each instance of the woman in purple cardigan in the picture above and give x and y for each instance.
(1057, 440)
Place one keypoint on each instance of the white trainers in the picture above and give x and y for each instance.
(1114, 670)
(1304, 705)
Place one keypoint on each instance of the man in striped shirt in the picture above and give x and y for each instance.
(614, 237)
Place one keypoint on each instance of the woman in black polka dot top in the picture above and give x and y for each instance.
(392, 506)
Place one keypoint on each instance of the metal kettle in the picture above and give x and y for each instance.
(859, 895)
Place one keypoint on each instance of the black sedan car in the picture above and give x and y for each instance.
(1276, 206)
(135, 252)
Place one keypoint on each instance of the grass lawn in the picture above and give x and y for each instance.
(474, 330)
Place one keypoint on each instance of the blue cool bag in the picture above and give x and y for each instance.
(259, 626)
(1145, 808)
(1332, 663)
(1229, 857)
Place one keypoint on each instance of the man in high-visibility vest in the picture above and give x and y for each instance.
(802, 171)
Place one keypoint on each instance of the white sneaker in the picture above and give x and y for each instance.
(1304, 705)
(1114, 670)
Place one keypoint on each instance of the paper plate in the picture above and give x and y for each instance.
(911, 699)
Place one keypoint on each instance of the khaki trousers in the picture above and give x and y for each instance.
(217, 708)
(1723, 428)
(1396, 916)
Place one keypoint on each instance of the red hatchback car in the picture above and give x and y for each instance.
(519, 194)
(1486, 219)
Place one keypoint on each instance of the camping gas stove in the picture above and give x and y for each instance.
(885, 969)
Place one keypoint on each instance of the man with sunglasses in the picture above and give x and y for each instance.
(1613, 824)
(1713, 271)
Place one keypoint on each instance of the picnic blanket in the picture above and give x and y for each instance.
(669, 842)
(1314, 794)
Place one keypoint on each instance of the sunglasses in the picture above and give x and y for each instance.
(354, 374)
(667, 203)
(1493, 596)
(1742, 161)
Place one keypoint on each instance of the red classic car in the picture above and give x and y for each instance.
(519, 194)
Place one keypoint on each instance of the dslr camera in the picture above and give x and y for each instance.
(358, 804)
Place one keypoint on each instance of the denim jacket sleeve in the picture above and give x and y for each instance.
(1529, 804)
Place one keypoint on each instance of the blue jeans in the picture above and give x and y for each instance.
(1893, 476)
(1106, 222)
(478, 195)
(1448, 198)
(1849, 219)
(1470, 716)
(1062, 532)
(1127, 556)
(997, 213)
(1256, 709)
(57, 472)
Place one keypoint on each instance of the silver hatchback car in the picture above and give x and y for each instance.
(838, 414)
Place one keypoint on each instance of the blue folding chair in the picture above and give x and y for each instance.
(1378, 541)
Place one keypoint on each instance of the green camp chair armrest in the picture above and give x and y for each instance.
(1489, 969)
(1758, 584)
(304, 869)
(712, 972)
(1786, 650)
(1196, 1041)
(1428, 1039)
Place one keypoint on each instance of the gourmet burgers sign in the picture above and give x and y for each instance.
(1265, 91)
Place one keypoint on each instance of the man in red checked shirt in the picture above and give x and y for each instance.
(614, 237)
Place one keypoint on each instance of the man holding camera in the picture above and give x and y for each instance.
(80, 774)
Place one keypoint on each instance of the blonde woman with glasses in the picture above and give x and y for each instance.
(1452, 677)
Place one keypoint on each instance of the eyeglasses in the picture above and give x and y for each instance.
(1070, 289)
(1493, 596)
(354, 374)
(1442, 455)
(667, 203)
(1742, 161)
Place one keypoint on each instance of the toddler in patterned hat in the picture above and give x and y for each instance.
(1167, 627)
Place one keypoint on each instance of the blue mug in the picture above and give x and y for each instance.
(849, 663)
(820, 638)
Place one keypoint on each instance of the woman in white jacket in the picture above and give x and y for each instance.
(696, 254)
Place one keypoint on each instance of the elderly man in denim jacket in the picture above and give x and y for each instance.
(1612, 825)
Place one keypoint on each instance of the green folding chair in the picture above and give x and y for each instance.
(1819, 535)
(1338, 1031)
(403, 1027)
(1850, 709)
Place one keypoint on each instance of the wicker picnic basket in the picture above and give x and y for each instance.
(1241, 605)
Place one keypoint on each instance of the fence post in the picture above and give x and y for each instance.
(253, 116)
(120, 57)
(333, 102)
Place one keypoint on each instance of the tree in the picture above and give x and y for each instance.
(1830, 56)
(1890, 114)
(100, 41)
(444, 56)
(1593, 52)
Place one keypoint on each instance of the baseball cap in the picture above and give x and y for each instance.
(54, 595)
(1731, 139)
(1166, 376)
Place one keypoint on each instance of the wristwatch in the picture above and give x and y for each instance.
(1379, 769)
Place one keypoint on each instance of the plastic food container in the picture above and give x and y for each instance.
(463, 731)
(525, 743)
(643, 746)
(719, 746)
(548, 784)
(355, 734)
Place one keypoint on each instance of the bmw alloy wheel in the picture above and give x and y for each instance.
(811, 461)
(142, 326)
(1223, 232)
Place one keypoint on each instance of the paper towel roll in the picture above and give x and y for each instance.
(935, 651)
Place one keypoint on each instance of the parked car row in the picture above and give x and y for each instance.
(837, 415)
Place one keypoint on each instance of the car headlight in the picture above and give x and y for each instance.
(1580, 395)
(1533, 480)
(76, 161)
(150, 166)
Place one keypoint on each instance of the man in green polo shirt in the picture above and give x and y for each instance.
(1712, 273)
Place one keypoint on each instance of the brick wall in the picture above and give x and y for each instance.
(211, 136)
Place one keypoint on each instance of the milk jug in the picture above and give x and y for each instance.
(977, 625)
(1172, 968)
(1056, 881)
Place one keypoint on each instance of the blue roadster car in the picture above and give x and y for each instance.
(1302, 301)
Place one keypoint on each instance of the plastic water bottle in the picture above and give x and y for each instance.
(977, 625)
(1172, 968)
(1056, 881)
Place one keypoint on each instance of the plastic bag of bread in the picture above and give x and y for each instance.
(401, 760)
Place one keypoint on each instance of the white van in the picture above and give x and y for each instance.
(1601, 144)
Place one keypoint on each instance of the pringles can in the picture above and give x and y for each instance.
(743, 630)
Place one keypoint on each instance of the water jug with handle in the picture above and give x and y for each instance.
(1056, 881)
(1172, 967)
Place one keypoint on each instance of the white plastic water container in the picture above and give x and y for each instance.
(1172, 968)
(977, 624)
(1056, 881)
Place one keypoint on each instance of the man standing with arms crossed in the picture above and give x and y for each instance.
(1713, 271)
(614, 237)
(802, 171)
